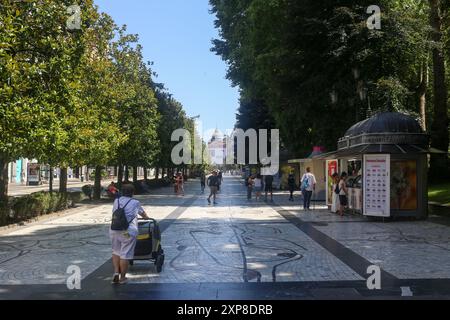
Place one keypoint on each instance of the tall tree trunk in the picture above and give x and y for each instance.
(63, 180)
(156, 173)
(77, 172)
(120, 177)
(50, 182)
(135, 174)
(98, 183)
(422, 92)
(145, 174)
(3, 190)
(439, 166)
(127, 174)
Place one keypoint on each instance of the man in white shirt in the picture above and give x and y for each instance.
(308, 184)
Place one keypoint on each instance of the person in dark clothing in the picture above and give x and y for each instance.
(213, 182)
(220, 177)
(250, 182)
(203, 182)
(268, 186)
(291, 186)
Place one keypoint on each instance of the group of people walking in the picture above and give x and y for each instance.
(308, 188)
(124, 231)
(257, 184)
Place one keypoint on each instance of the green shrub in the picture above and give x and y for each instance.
(40, 203)
(74, 198)
(20, 208)
(62, 203)
(6, 211)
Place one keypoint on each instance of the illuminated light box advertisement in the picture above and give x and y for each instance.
(332, 168)
(377, 194)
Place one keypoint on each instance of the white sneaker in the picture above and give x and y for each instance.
(116, 278)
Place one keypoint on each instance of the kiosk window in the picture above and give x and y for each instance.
(354, 168)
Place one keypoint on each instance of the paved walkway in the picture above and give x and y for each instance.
(235, 250)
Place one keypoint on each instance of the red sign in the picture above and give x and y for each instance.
(332, 168)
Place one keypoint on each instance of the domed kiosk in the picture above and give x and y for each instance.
(386, 158)
(389, 132)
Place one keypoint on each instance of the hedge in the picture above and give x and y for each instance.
(40, 203)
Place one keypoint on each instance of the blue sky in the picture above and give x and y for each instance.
(176, 36)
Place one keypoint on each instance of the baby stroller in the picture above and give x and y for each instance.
(148, 245)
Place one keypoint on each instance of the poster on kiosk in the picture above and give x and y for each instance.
(377, 182)
(332, 168)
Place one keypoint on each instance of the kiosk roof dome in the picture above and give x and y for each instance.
(386, 122)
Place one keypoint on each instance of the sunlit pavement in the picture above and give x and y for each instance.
(238, 249)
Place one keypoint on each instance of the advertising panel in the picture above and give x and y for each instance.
(332, 168)
(377, 194)
(404, 185)
(34, 173)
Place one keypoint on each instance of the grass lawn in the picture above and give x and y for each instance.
(439, 193)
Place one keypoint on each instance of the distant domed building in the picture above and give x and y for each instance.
(217, 148)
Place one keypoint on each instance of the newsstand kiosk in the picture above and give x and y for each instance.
(386, 157)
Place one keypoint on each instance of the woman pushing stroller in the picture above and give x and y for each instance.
(124, 232)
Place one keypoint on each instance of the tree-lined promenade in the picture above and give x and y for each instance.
(79, 96)
(313, 68)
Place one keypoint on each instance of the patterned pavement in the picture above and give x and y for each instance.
(237, 241)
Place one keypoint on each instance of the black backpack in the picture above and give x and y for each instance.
(337, 190)
(119, 218)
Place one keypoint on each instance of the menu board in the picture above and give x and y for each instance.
(377, 192)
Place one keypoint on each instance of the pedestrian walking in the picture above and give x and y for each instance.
(203, 181)
(250, 183)
(335, 193)
(112, 191)
(124, 231)
(258, 186)
(213, 182)
(308, 184)
(291, 186)
(268, 186)
(179, 180)
(220, 179)
(343, 193)
(175, 183)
